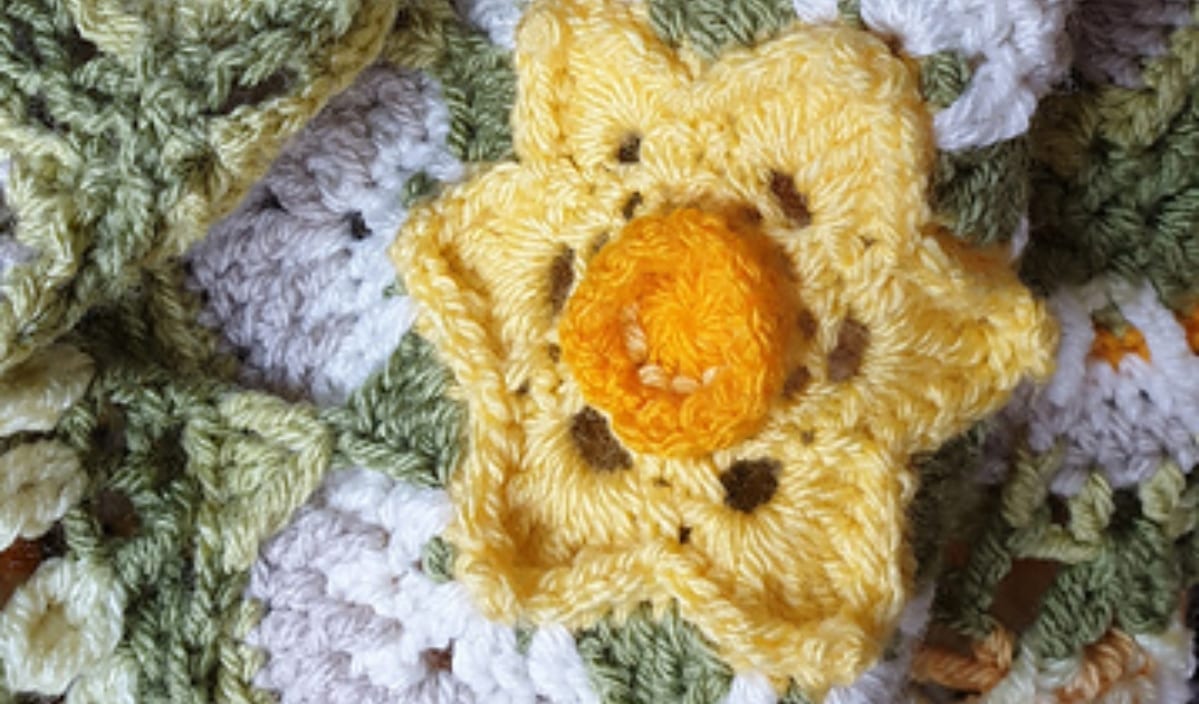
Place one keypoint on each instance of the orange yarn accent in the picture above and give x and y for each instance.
(1190, 323)
(1113, 348)
(1114, 659)
(680, 332)
(989, 664)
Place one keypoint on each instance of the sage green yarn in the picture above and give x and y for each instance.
(1134, 583)
(187, 476)
(851, 11)
(401, 422)
(947, 487)
(524, 638)
(1114, 184)
(420, 187)
(982, 194)
(477, 79)
(437, 559)
(124, 149)
(643, 659)
(186, 481)
(794, 696)
(943, 77)
(1120, 562)
(709, 26)
(160, 313)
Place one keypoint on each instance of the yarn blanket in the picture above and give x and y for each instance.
(581, 351)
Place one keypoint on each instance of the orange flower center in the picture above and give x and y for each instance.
(1114, 347)
(681, 331)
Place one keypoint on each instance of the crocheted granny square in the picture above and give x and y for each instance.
(709, 351)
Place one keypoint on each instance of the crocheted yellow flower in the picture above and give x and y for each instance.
(700, 327)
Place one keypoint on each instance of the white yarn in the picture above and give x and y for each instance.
(816, 11)
(113, 681)
(1174, 661)
(352, 618)
(39, 483)
(1124, 422)
(287, 281)
(58, 625)
(1112, 38)
(1017, 49)
(498, 18)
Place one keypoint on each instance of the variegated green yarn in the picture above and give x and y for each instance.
(708, 26)
(1115, 188)
(125, 147)
(401, 422)
(476, 76)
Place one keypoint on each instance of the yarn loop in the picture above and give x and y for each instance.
(679, 331)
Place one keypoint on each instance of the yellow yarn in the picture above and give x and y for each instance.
(786, 548)
(39, 483)
(36, 392)
(59, 625)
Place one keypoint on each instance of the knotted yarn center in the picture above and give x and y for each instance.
(681, 330)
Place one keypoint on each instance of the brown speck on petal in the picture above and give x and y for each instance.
(595, 442)
(750, 483)
(846, 357)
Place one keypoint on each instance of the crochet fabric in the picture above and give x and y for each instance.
(578, 351)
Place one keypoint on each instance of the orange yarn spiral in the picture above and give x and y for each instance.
(680, 331)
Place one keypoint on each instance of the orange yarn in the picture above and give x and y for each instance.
(1190, 323)
(989, 662)
(680, 332)
(1112, 347)
(1115, 659)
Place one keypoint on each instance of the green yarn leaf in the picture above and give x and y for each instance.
(420, 187)
(943, 77)
(477, 79)
(437, 559)
(794, 696)
(1114, 184)
(1116, 566)
(851, 11)
(710, 26)
(947, 485)
(983, 193)
(644, 660)
(401, 421)
(187, 478)
(124, 149)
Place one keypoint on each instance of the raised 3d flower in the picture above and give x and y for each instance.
(700, 326)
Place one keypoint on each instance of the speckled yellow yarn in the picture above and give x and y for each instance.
(820, 140)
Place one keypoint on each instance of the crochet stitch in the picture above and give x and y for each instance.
(86, 133)
(746, 352)
(546, 529)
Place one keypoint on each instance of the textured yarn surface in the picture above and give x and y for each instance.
(599, 351)
(551, 527)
